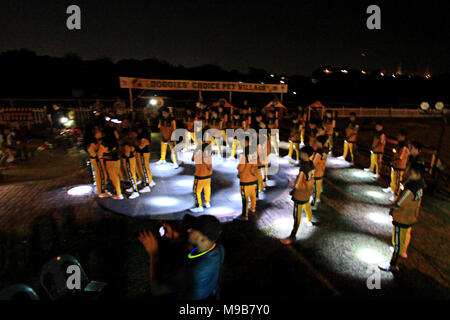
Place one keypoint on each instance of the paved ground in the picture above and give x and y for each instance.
(334, 258)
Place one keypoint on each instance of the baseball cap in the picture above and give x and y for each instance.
(206, 224)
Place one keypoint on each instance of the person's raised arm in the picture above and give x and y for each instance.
(150, 244)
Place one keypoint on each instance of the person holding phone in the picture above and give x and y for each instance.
(199, 277)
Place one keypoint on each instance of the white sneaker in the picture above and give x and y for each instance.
(309, 223)
(297, 162)
(207, 205)
(139, 182)
(160, 161)
(152, 184)
(341, 158)
(367, 170)
(133, 195)
(104, 195)
(392, 198)
(196, 209)
(260, 195)
(376, 176)
(287, 157)
(129, 190)
(176, 166)
(118, 197)
(388, 190)
(145, 189)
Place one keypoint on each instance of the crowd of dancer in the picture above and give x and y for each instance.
(119, 149)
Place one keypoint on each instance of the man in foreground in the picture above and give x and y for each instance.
(200, 276)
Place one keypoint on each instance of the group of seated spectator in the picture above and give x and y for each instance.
(14, 144)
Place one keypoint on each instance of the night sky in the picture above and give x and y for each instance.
(279, 36)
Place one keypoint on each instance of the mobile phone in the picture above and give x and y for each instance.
(162, 231)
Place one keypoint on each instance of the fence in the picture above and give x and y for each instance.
(32, 111)
(344, 112)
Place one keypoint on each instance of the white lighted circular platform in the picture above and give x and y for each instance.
(172, 196)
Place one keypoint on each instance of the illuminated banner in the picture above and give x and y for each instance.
(156, 84)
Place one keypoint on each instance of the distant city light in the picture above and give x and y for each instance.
(281, 81)
(327, 71)
(294, 92)
(153, 102)
(272, 75)
(428, 76)
(382, 74)
(344, 71)
(63, 120)
(363, 71)
(79, 191)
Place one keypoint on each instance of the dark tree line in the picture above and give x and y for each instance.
(28, 75)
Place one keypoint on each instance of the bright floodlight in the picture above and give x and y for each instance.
(79, 191)
(163, 201)
(369, 256)
(439, 105)
(424, 105)
(153, 102)
(63, 120)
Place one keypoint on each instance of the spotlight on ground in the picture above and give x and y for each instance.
(361, 174)
(380, 218)
(271, 183)
(185, 183)
(220, 211)
(236, 197)
(282, 227)
(369, 256)
(79, 191)
(337, 163)
(163, 201)
(375, 194)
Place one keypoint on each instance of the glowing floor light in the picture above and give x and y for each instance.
(337, 163)
(271, 183)
(185, 182)
(292, 171)
(362, 174)
(381, 218)
(369, 256)
(79, 191)
(375, 194)
(236, 197)
(163, 201)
